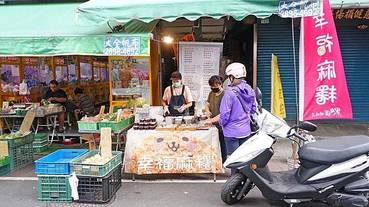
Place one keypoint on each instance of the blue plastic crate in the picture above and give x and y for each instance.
(58, 162)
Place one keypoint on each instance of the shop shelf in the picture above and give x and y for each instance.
(96, 170)
(58, 162)
(54, 188)
(93, 189)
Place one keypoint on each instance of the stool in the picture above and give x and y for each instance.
(90, 139)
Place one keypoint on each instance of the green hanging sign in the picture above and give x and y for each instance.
(108, 45)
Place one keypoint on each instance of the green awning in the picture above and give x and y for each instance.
(103, 11)
(52, 29)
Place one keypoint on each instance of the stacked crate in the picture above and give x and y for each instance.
(53, 172)
(20, 150)
(40, 144)
(98, 183)
(4, 165)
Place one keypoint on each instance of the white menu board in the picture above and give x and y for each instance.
(198, 61)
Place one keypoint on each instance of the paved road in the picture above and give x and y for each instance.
(23, 193)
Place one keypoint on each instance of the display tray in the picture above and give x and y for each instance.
(96, 170)
(7, 113)
(88, 126)
(58, 162)
(19, 141)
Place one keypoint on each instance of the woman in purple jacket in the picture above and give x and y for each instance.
(236, 107)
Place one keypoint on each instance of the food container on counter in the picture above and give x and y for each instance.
(178, 120)
(169, 120)
(188, 119)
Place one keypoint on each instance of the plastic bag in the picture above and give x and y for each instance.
(23, 88)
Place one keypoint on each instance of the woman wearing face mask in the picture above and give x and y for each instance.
(237, 105)
(212, 108)
(177, 98)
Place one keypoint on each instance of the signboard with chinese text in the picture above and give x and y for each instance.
(323, 89)
(159, 152)
(299, 8)
(351, 14)
(30, 61)
(59, 61)
(10, 60)
(198, 61)
(126, 46)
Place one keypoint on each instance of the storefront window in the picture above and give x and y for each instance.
(10, 74)
(107, 75)
(61, 73)
(86, 72)
(130, 77)
(72, 73)
(32, 76)
(103, 74)
(96, 74)
(46, 74)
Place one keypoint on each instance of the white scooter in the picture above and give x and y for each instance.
(333, 171)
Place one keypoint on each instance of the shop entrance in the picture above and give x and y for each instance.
(237, 38)
(238, 47)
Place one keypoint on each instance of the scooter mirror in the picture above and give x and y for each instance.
(308, 126)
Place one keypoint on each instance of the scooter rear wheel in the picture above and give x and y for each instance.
(232, 188)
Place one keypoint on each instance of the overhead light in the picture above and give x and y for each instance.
(168, 39)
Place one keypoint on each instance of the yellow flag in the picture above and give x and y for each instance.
(277, 99)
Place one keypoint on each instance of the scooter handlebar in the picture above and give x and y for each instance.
(296, 135)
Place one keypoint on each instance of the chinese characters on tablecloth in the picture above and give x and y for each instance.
(173, 152)
(203, 163)
(325, 91)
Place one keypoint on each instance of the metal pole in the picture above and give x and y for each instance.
(295, 72)
(294, 147)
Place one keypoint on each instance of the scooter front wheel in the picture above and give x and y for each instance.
(233, 187)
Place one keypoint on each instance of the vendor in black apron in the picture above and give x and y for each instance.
(177, 98)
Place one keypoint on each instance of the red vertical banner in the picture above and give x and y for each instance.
(323, 88)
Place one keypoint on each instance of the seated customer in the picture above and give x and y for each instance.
(56, 95)
(84, 104)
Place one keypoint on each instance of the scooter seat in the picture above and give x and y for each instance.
(335, 150)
